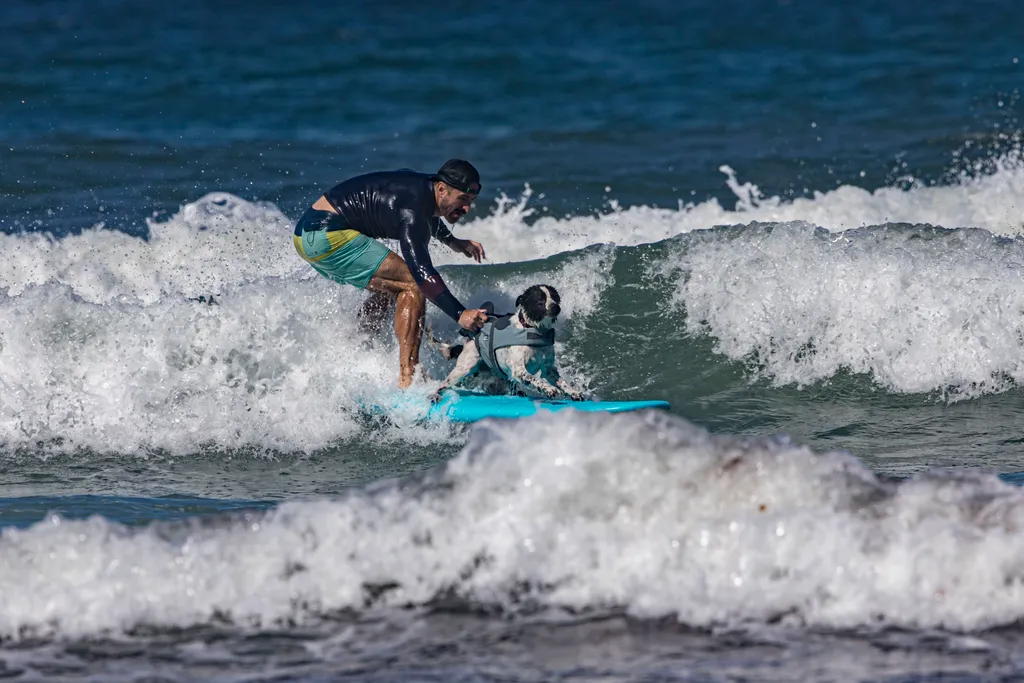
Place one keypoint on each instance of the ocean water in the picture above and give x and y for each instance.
(799, 223)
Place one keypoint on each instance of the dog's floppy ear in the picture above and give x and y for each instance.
(519, 300)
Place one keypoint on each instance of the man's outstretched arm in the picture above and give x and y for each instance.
(415, 235)
(473, 250)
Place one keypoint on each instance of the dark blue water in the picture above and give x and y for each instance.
(791, 220)
(137, 108)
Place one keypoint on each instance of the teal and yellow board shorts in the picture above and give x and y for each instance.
(336, 252)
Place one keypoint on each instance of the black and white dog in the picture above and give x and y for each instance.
(513, 352)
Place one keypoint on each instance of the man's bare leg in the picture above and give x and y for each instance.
(409, 313)
(394, 279)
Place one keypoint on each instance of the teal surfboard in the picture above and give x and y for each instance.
(471, 407)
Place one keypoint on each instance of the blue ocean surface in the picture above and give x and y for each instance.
(797, 223)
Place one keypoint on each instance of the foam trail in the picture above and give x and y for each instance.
(645, 513)
(247, 372)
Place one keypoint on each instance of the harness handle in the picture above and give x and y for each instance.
(488, 308)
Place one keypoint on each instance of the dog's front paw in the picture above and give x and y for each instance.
(577, 396)
(436, 396)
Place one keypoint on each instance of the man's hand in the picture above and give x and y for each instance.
(473, 250)
(472, 318)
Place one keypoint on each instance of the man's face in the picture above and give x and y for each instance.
(452, 203)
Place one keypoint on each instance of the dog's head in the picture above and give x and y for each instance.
(540, 306)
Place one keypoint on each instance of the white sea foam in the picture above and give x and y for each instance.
(918, 310)
(216, 242)
(989, 201)
(645, 513)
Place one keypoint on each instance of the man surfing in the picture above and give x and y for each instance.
(338, 236)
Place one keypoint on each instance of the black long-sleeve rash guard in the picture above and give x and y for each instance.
(399, 205)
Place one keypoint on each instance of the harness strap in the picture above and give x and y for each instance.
(492, 359)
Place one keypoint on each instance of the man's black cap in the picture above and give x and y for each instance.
(461, 175)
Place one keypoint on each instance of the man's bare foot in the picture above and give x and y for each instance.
(406, 376)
